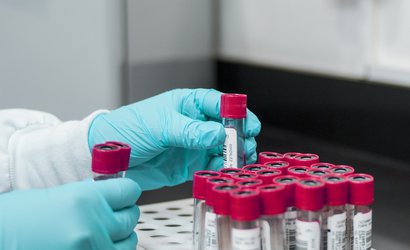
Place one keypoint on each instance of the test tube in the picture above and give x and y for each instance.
(125, 156)
(233, 113)
(228, 172)
(361, 197)
(273, 199)
(250, 183)
(317, 174)
(210, 242)
(245, 211)
(290, 157)
(221, 195)
(199, 194)
(289, 183)
(299, 171)
(106, 161)
(267, 175)
(306, 159)
(334, 214)
(279, 165)
(269, 156)
(342, 170)
(252, 168)
(322, 166)
(243, 176)
(309, 201)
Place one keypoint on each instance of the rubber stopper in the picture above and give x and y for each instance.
(233, 106)
(210, 183)
(253, 168)
(337, 188)
(269, 156)
(245, 204)
(289, 183)
(299, 171)
(199, 185)
(125, 153)
(322, 165)
(250, 183)
(228, 172)
(273, 199)
(267, 175)
(343, 170)
(361, 189)
(306, 159)
(317, 174)
(278, 165)
(221, 195)
(243, 176)
(310, 194)
(106, 159)
(290, 157)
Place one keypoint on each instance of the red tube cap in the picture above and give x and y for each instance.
(221, 194)
(125, 153)
(289, 183)
(228, 172)
(250, 183)
(309, 194)
(322, 165)
(317, 174)
(299, 171)
(106, 159)
(199, 185)
(342, 170)
(361, 189)
(245, 204)
(233, 106)
(243, 176)
(336, 190)
(278, 165)
(210, 183)
(269, 156)
(273, 197)
(290, 157)
(267, 175)
(306, 159)
(253, 168)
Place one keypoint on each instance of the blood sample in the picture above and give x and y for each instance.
(125, 156)
(106, 161)
(228, 172)
(343, 170)
(269, 156)
(252, 168)
(267, 175)
(279, 165)
(299, 171)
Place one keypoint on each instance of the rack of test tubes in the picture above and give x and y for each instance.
(285, 201)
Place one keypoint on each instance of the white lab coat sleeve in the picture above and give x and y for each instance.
(38, 150)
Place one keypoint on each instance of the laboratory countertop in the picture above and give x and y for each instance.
(391, 214)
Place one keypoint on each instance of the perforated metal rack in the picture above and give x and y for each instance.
(166, 225)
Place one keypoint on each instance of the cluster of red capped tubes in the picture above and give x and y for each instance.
(285, 201)
(110, 160)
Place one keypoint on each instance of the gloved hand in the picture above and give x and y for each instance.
(82, 215)
(171, 135)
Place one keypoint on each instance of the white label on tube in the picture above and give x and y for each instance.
(246, 239)
(230, 149)
(362, 231)
(307, 235)
(210, 231)
(336, 235)
(265, 235)
(290, 229)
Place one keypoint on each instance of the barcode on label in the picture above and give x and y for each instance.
(301, 244)
(291, 234)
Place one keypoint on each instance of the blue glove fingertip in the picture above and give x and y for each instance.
(253, 125)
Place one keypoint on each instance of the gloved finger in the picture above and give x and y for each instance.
(250, 150)
(215, 163)
(129, 243)
(252, 124)
(194, 134)
(127, 219)
(119, 193)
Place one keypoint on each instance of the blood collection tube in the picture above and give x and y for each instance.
(299, 171)
(334, 213)
(343, 170)
(106, 161)
(250, 183)
(290, 157)
(252, 168)
(309, 201)
(322, 165)
(269, 156)
(289, 183)
(243, 176)
(306, 159)
(273, 202)
(125, 156)
(245, 211)
(210, 242)
(279, 165)
(228, 172)
(317, 174)
(267, 175)
(361, 197)
(199, 194)
(233, 113)
(221, 195)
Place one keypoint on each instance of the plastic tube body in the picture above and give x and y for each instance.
(359, 227)
(234, 145)
(272, 233)
(199, 222)
(308, 226)
(245, 235)
(223, 231)
(210, 240)
(334, 227)
(100, 177)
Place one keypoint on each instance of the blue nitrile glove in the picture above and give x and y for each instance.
(82, 215)
(171, 135)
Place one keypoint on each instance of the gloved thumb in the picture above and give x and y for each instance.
(194, 134)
